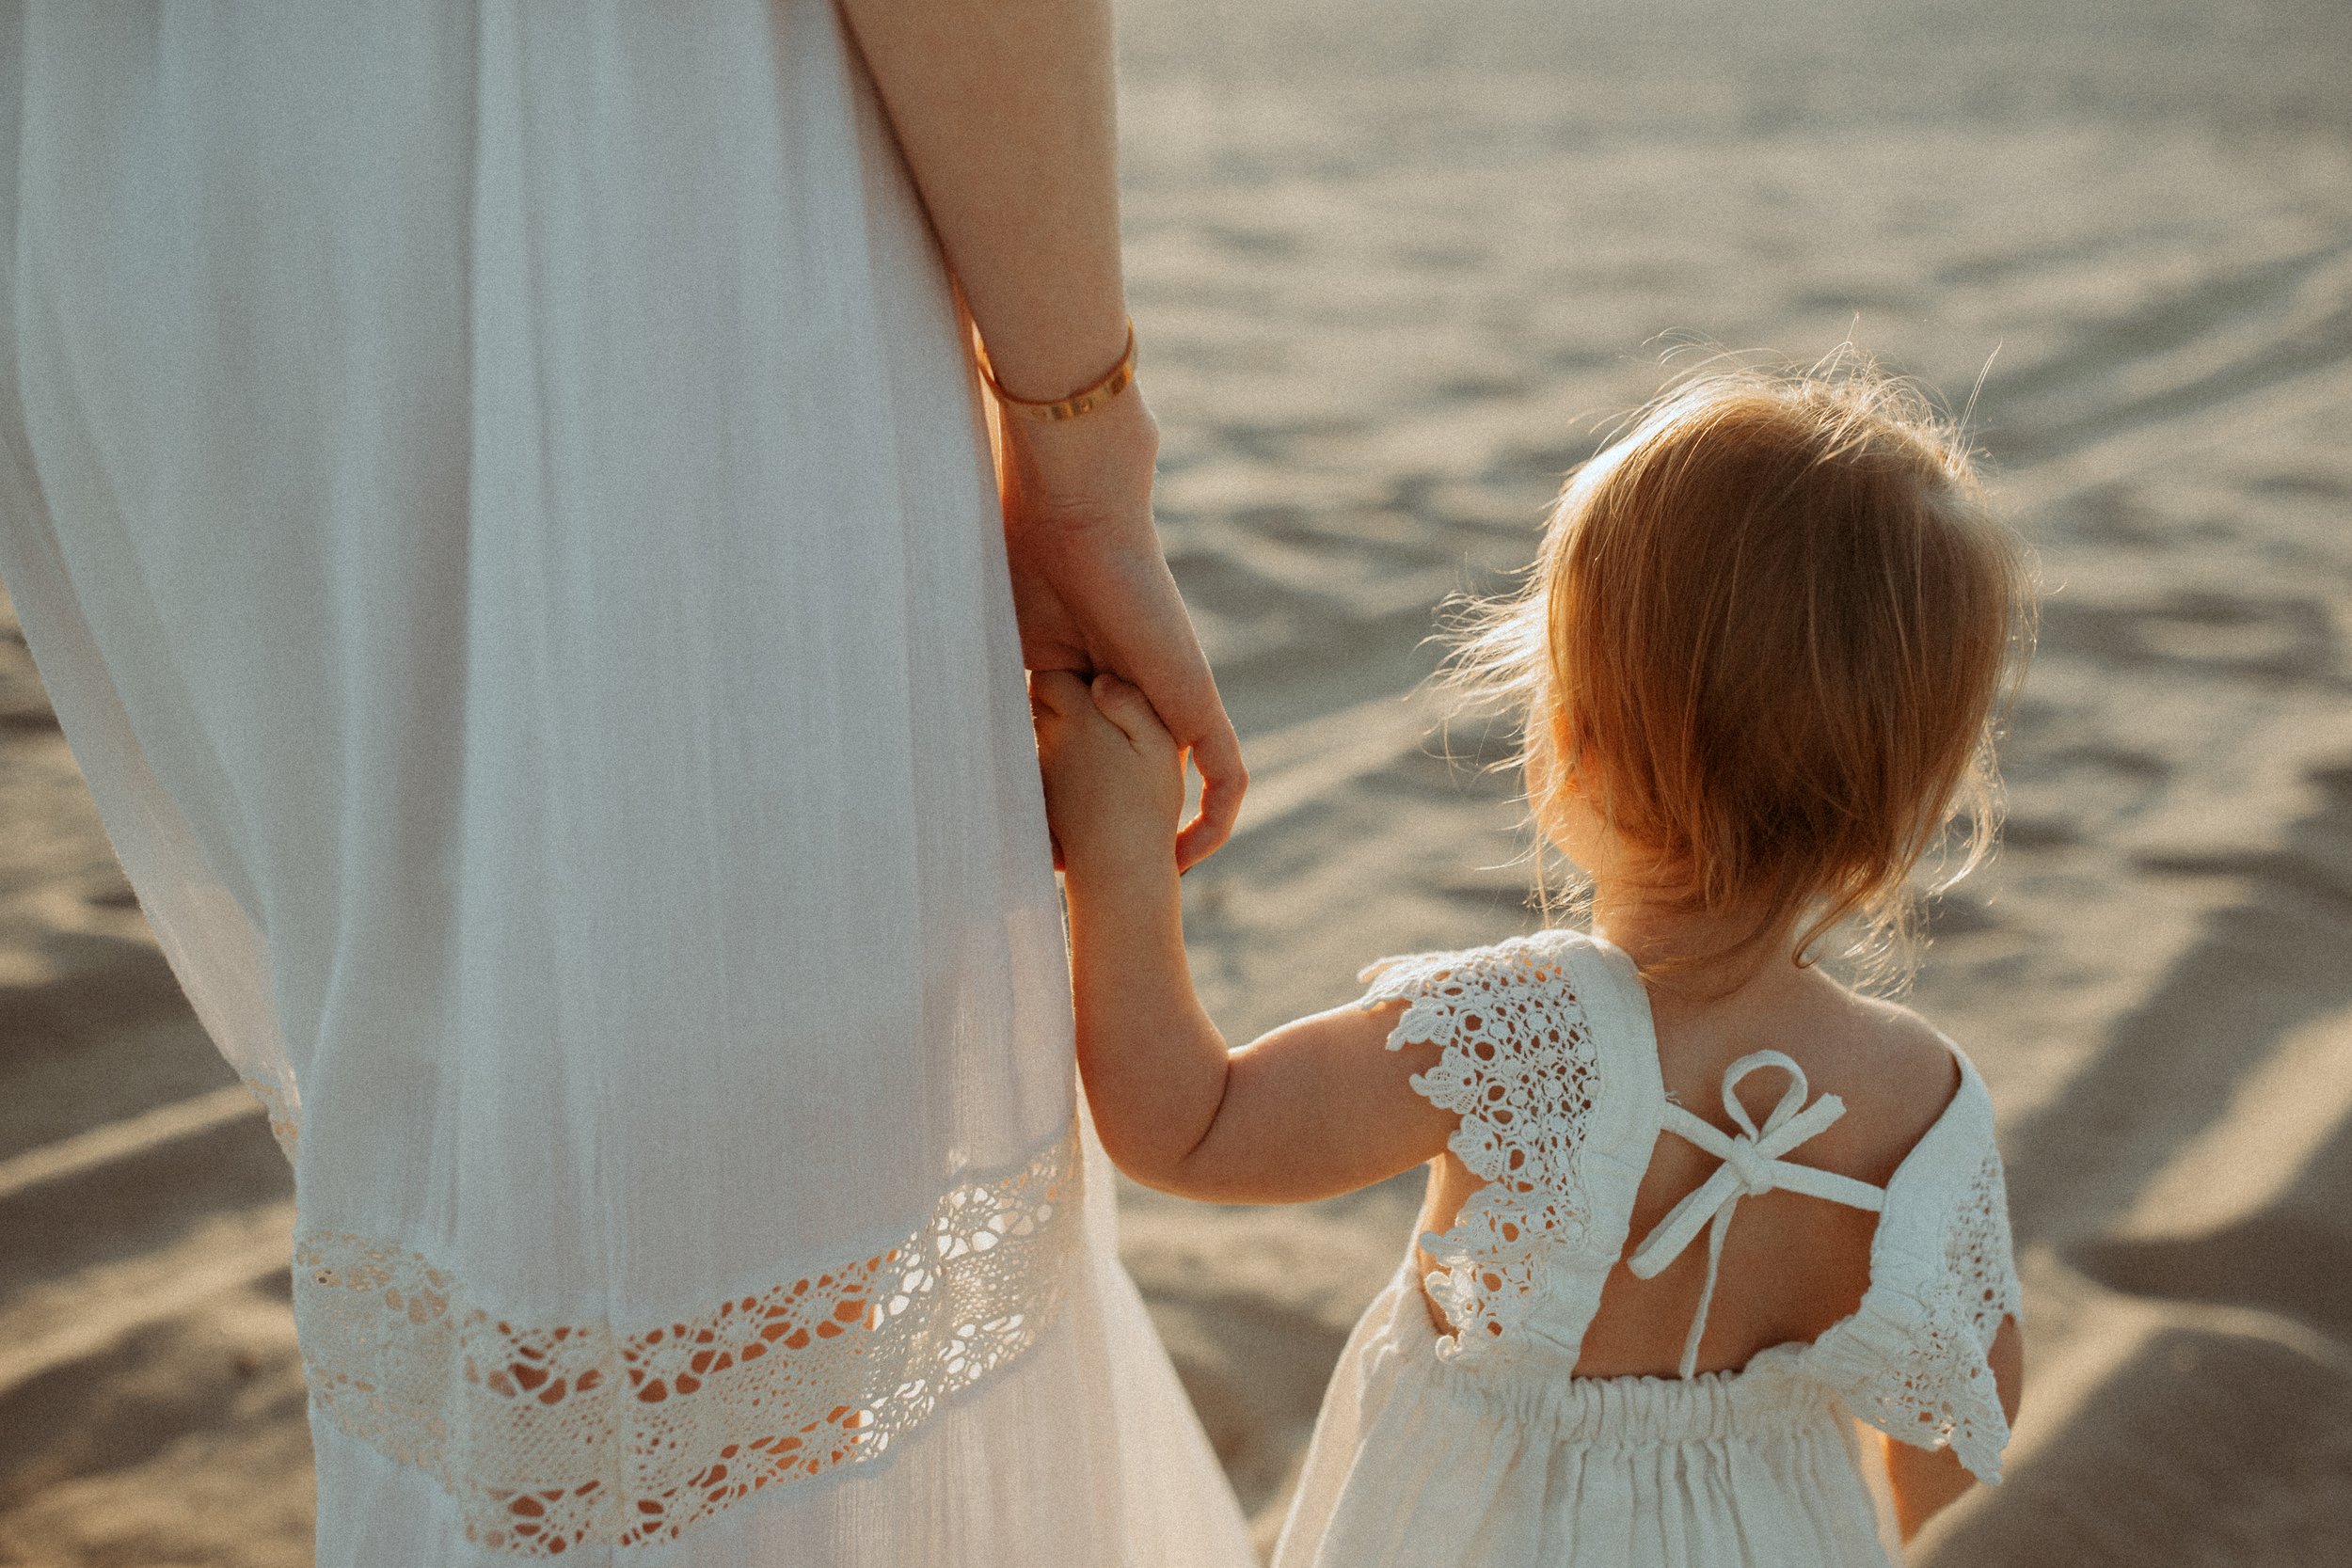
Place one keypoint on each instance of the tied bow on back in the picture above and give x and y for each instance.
(1752, 1164)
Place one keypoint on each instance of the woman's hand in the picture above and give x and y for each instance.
(1092, 591)
(1006, 112)
(1114, 776)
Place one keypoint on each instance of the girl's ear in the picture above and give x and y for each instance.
(1550, 774)
(1566, 747)
(1542, 772)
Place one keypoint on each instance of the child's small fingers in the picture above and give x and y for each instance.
(1057, 692)
(1125, 706)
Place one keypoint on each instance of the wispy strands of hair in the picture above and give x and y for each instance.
(1765, 638)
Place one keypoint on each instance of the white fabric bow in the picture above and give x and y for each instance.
(1752, 1164)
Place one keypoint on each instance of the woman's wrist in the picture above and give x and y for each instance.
(1055, 359)
(1084, 476)
(1074, 404)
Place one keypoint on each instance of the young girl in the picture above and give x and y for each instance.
(1694, 1207)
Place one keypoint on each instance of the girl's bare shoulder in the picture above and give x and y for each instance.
(1896, 1071)
(1891, 1067)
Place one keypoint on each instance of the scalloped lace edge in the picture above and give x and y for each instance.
(1490, 1256)
(284, 1113)
(1921, 1381)
(1917, 1368)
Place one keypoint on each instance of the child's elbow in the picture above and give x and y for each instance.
(1159, 1164)
(1132, 1157)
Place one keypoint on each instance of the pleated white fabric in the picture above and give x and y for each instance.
(1756, 1468)
(496, 496)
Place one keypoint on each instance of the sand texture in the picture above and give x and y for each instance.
(1390, 262)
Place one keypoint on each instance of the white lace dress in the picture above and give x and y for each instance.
(497, 496)
(1478, 1450)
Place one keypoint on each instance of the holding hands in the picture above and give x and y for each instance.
(1314, 1108)
(1007, 115)
(1092, 591)
(1114, 776)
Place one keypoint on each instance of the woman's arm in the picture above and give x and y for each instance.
(1314, 1108)
(1007, 112)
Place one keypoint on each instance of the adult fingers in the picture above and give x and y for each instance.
(1173, 674)
(1158, 651)
(1223, 781)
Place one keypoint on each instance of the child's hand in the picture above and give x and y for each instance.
(1114, 776)
(1314, 1109)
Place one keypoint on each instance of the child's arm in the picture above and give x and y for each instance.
(1314, 1108)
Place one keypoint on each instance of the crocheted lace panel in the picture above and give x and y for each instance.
(1520, 1068)
(1917, 1367)
(553, 1436)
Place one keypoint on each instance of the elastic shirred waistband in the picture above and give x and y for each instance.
(1771, 1397)
(1639, 1412)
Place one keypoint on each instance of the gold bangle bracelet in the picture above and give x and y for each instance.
(1084, 401)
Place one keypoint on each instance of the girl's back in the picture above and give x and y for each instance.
(1544, 1403)
(1792, 1265)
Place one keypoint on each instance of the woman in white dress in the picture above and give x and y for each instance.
(501, 501)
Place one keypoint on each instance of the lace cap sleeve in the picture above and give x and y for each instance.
(1521, 1068)
(1914, 1361)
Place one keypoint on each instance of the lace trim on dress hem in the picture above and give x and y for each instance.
(285, 1122)
(556, 1436)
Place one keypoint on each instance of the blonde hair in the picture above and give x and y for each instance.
(1765, 639)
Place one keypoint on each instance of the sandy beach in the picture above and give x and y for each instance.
(1392, 267)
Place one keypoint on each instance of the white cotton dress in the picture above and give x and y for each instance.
(1478, 1450)
(497, 496)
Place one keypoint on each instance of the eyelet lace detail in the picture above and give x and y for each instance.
(551, 1437)
(1977, 1255)
(1521, 1069)
(1915, 1368)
